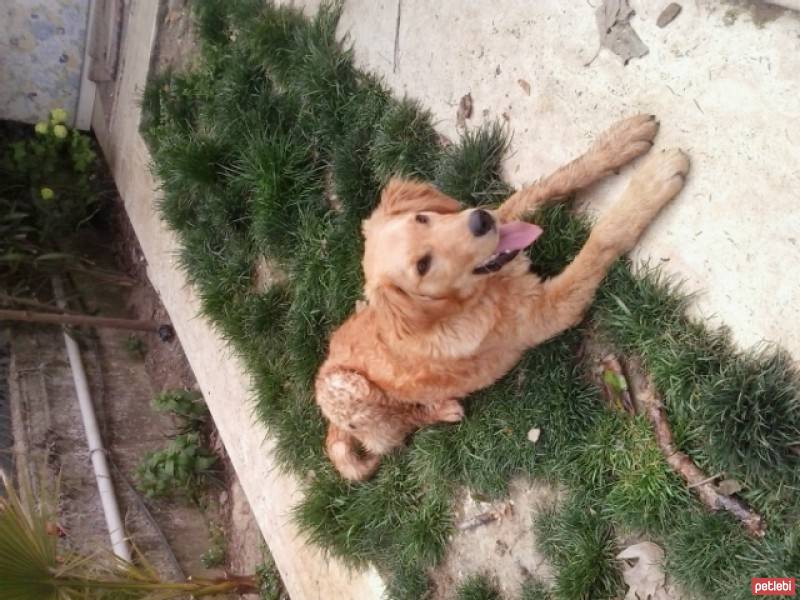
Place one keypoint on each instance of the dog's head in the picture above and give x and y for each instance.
(424, 256)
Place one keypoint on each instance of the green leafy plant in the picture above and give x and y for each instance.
(46, 190)
(184, 468)
(187, 405)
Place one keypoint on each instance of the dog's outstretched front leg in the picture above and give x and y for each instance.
(566, 297)
(616, 147)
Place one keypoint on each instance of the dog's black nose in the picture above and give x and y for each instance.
(480, 222)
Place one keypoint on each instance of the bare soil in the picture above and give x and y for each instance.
(503, 549)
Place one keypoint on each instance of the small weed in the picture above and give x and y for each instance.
(184, 468)
(187, 405)
(269, 580)
(135, 347)
(216, 553)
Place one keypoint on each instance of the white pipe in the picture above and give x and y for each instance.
(96, 451)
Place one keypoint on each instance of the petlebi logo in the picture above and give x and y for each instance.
(772, 586)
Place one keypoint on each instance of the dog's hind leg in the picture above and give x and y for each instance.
(365, 424)
(566, 297)
(389, 425)
(616, 147)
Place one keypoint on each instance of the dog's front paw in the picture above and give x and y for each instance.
(657, 181)
(660, 178)
(448, 411)
(625, 141)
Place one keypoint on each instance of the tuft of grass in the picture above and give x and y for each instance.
(733, 412)
(271, 151)
(405, 143)
(755, 401)
(619, 459)
(579, 541)
(711, 552)
(472, 170)
(282, 187)
(477, 587)
(535, 590)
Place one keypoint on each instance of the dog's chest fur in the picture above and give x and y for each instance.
(461, 354)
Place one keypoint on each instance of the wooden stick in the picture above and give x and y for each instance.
(73, 319)
(651, 406)
(32, 302)
(497, 513)
(107, 276)
(711, 479)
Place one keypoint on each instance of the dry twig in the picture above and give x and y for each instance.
(650, 405)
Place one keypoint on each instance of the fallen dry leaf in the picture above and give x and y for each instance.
(616, 33)
(526, 87)
(464, 110)
(615, 385)
(645, 578)
(505, 509)
(729, 486)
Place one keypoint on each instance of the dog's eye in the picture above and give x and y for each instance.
(422, 219)
(424, 264)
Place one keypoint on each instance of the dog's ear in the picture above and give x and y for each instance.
(406, 314)
(402, 195)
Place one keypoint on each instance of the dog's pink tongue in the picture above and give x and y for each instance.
(516, 236)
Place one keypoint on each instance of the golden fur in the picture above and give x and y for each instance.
(421, 343)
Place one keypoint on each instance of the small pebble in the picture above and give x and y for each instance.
(668, 14)
(533, 435)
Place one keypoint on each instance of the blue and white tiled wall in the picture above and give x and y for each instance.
(41, 57)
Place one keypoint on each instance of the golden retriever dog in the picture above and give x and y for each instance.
(451, 302)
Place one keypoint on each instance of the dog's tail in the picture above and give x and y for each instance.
(347, 455)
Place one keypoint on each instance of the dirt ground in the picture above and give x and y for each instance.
(503, 548)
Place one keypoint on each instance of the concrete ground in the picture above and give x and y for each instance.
(721, 78)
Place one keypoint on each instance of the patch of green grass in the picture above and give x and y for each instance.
(405, 143)
(471, 170)
(477, 587)
(578, 540)
(276, 145)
